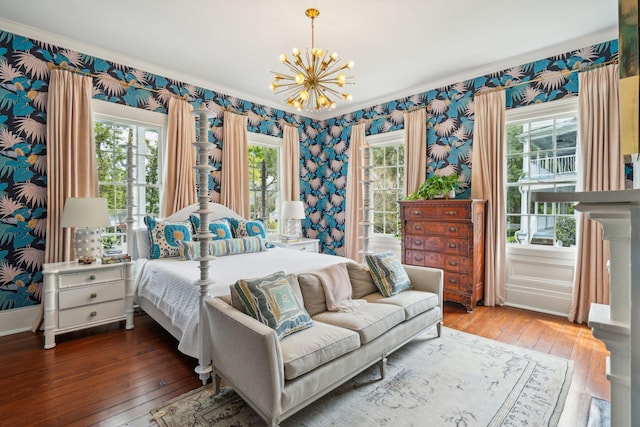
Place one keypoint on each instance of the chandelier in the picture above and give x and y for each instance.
(316, 78)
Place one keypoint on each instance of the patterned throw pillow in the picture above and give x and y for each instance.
(190, 250)
(220, 228)
(272, 301)
(164, 237)
(387, 273)
(244, 228)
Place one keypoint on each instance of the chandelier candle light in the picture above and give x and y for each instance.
(314, 82)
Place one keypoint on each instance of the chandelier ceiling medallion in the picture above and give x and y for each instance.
(316, 77)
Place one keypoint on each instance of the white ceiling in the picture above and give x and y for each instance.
(400, 47)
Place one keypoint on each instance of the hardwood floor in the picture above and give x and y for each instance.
(108, 376)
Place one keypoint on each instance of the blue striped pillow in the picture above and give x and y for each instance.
(191, 250)
(387, 273)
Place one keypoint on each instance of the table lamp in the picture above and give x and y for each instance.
(86, 215)
(292, 213)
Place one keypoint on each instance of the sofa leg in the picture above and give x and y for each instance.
(216, 384)
(382, 365)
(439, 329)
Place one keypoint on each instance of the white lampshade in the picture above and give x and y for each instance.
(293, 210)
(86, 215)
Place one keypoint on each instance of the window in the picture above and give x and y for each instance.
(264, 180)
(387, 174)
(541, 156)
(115, 127)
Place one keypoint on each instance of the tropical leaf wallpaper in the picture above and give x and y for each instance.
(24, 75)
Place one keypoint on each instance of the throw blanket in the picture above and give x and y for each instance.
(337, 288)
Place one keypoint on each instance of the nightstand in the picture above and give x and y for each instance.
(78, 296)
(308, 245)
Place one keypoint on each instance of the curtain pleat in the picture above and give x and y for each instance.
(71, 156)
(291, 162)
(600, 169)
(180, 183)
(234, 185)
(353, 198)
(487, 183)
(415, 145)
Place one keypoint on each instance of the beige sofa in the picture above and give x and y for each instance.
(280, 377)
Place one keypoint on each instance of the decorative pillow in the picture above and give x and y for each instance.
(189, 250)
(272, 301)
(387, 273)
(220, 228)
(244, 228)
(361, 281)
(164, 237)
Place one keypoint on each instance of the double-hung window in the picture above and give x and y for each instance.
(387, 174)
(541, 143)
(265, 183)
(116, 127)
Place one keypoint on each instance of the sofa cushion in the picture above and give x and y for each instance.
(413, 302)
(312, 293)
(369, 320)
(388, 273)
(361, 282)
(272, 301)
(306, 350)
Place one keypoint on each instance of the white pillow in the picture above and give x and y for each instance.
(141, 243)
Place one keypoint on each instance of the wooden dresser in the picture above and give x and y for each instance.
(447, 234)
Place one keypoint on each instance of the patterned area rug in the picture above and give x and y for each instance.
(456, 380)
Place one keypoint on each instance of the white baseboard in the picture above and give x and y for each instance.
(18, 320)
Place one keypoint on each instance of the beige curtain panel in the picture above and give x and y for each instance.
(291, 162)
(234, 185)
(601, 169)
(354, 196)
(415, 145)
(179, 188)
(71, 155)
(487, 183)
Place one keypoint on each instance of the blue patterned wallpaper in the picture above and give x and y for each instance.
(24, 75)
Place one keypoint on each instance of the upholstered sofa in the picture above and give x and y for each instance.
(280, 376)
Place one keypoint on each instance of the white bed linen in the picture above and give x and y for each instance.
(168, 284)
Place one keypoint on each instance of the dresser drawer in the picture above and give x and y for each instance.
(66, 280)
(425, 259)
(426, 243)
(82, 316)
(457, 282)
(456, 247)
(445, 211)
(425, 227)
(456, 263)
(83, 295)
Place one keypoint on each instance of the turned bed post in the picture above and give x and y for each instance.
(203, 169)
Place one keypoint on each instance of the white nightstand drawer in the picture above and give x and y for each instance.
(84, 295)
(91, 313)
(308, 247)
(304, 245)
(91, 276)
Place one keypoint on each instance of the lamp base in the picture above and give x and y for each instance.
(294, 228)
(87, 244)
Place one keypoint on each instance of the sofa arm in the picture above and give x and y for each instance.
(426, 279)
(246, 353)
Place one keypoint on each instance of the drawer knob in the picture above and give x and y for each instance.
(453, 263)
(453, 229)
(416, 212)
(451, 213)
(93, 314)
(418, 258)
(92, 277)
(418, 242)
(453, 245)
(418, 227)
(303, 248)
(94, 295)
(453, 281)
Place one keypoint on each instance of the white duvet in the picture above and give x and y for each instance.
(168, 284)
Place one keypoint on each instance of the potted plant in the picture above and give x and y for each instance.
(435, 187)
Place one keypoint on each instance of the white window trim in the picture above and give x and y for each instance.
(273, 142)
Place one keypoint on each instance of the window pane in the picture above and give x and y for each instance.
(264, 185)
(387, 187)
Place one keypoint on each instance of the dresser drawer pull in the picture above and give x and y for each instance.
(94, 295)
(452, 213)
(453, 263)
(418, 258)
(303, 248)
(417, 242)
(418, 227)
(453, 281)
(93, 314)
(453, 245)
(453, 229)
(92, 277)
(416, 212)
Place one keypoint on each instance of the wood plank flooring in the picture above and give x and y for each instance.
(108, 376)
